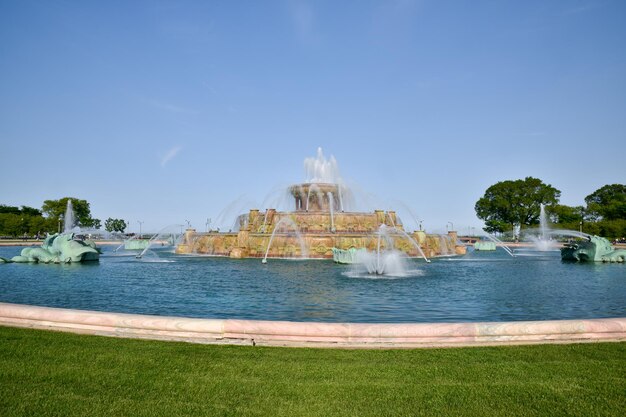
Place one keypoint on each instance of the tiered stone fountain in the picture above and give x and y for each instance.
(317, 224)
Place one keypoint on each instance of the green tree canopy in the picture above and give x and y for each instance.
(12, 224)
(562, 214)
(608, 202)
(55, 208)
(9, 209)
(30, 211)
(510, 203)
(114, 225)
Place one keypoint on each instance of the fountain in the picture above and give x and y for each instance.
(593, 249)
(496, 242)
(544, 242)
(135, 242)
(60, 248)
(163, 237)
(332, 213)
(385, 260)
(69, 219)
(288, 221)
(585, 248)
(322, 221)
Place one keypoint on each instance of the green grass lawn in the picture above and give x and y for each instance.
(48, 373)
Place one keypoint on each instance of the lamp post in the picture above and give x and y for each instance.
(208, 223)
(451, 225)
(60, 221)
(188, 224)
(140, 223)
(582, 219)
(421, 225)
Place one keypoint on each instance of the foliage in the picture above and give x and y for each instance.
(16, 221)
(12, 224)
(91, 223)
(96, 223)
(56, 208)
(30, 211)
(562, 214)
(611, 229)
(114, 225)
(510, 203)
(16, 225)
(50, 373)
(608, 202)
(605, 214)
(9, 209)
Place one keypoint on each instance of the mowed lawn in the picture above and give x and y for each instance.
(47, 373)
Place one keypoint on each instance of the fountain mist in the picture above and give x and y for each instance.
(386, 260)
(294, 226)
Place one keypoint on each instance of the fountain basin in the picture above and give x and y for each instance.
(282, 333)
(479, 287)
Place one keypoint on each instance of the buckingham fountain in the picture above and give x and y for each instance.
(477, 299)
(321, 225)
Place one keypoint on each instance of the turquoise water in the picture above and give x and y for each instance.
(482, 286)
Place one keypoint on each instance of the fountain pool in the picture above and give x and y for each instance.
(481, 286)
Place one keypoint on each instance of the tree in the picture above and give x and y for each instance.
(91, 223)
(9, 209)
(562, 214)
(55, 208)
(16, 222)
(608, 202)
(38, 224)
(114, 225)
(30, 211)
(507, 204)
(12, 224)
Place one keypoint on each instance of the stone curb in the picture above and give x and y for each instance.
(311, 334)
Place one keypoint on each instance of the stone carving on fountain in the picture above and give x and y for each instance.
(594, 249)
(59, 248)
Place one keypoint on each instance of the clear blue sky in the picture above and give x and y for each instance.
(166, 111)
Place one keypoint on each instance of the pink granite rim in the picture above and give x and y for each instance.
(313, 334)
